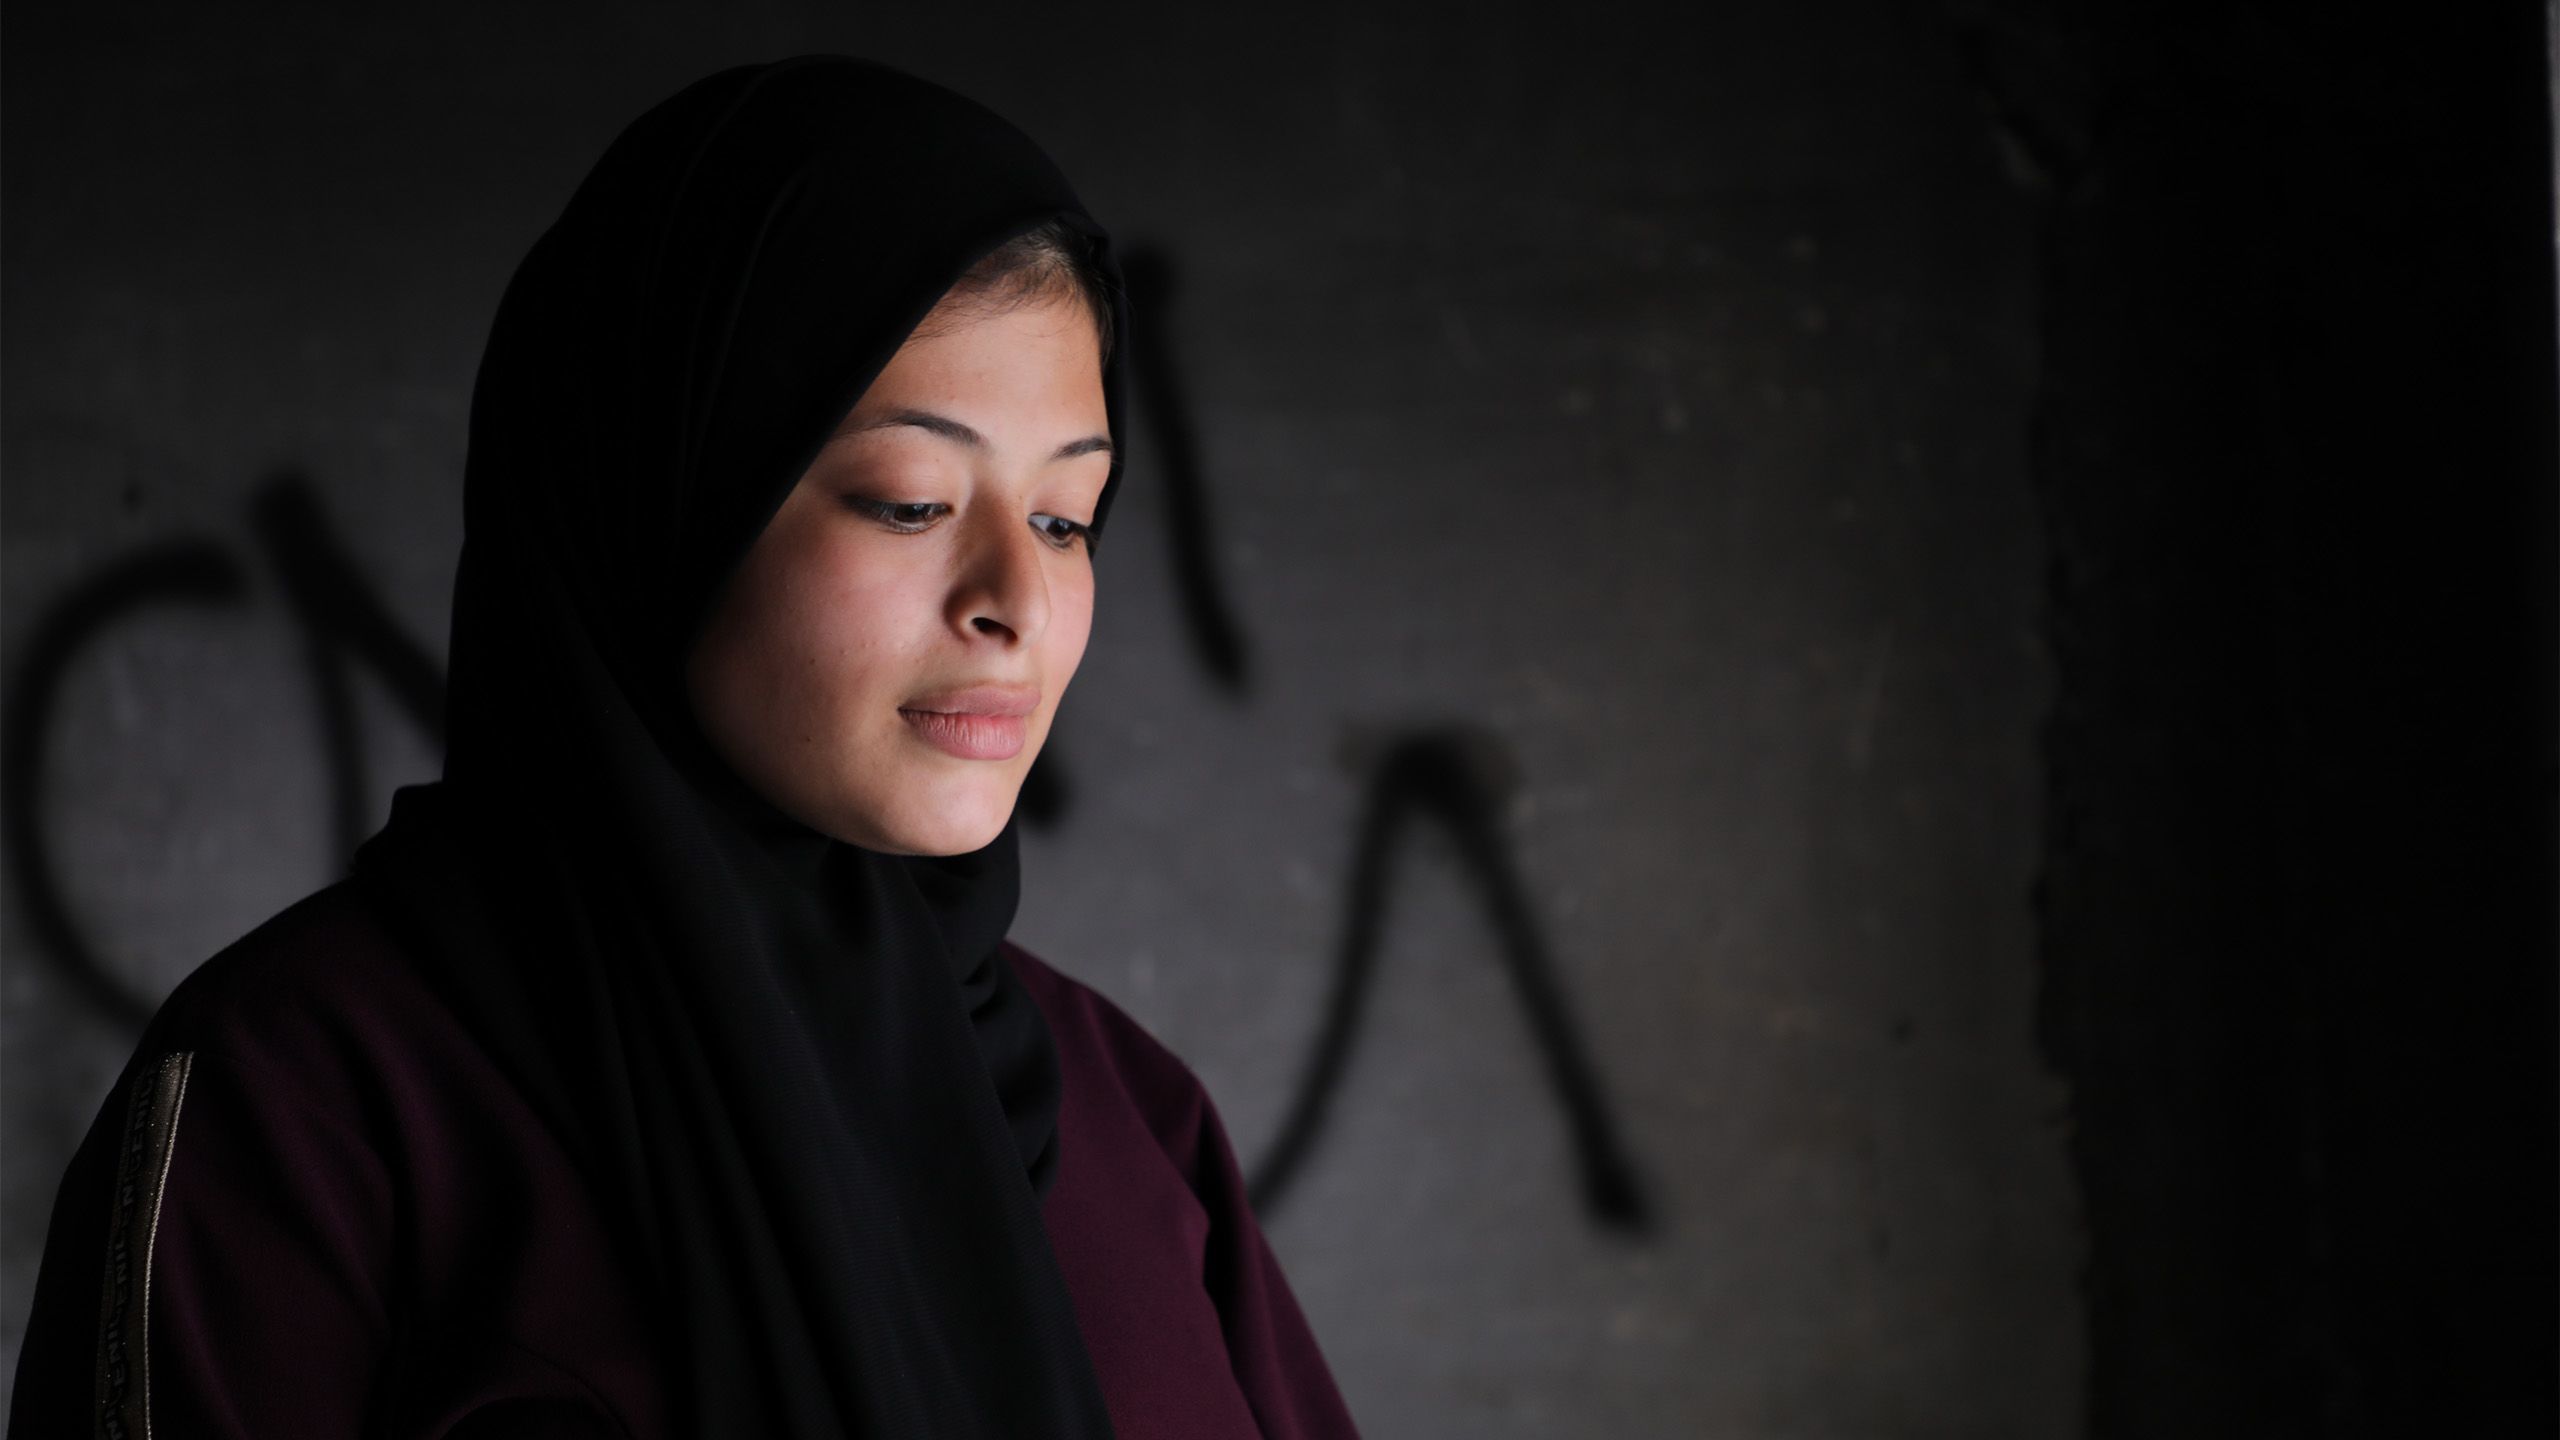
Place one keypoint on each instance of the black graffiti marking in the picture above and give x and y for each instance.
(1442, 776)
(174, 572)
(1217, 641)
(1435, 774)
(341, 617)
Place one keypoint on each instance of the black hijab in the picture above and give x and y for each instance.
(822, 1108)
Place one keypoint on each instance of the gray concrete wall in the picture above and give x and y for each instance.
(1642, 392)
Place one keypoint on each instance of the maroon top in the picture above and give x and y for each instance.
(315, 1207)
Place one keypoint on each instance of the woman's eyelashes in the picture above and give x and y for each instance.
(906, 519)
(914, 517)
(1067, 533)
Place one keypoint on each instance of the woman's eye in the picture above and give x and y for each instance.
(910, 517)
(904, 517)
(1059, 531)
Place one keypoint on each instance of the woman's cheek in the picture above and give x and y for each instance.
(1071, 639)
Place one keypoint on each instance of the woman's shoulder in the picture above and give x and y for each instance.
(327, 955)
(320, 998)
(314, 1159)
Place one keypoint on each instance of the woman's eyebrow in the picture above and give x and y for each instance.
(953, 430)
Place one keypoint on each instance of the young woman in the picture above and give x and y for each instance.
(664, 1070)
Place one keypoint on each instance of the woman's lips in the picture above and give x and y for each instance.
(971, 737)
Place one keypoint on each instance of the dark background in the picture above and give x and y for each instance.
(1904, 651)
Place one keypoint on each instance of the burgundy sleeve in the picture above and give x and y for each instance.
(233, 1236)
(1277, 1363)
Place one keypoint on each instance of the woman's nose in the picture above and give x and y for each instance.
(1002, 588)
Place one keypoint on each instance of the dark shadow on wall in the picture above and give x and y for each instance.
(2294, 447)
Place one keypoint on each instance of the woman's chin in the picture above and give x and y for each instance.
(953, 822)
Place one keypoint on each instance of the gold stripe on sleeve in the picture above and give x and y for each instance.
(124, 1309)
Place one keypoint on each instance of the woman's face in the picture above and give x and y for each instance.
(887, 660)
